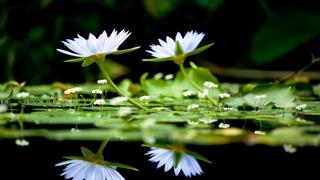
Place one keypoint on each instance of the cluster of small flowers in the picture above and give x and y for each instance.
(73, 90)
(102, 81)
(96, 91)
(22, 142)
(289, 148)
(3, 108)
(263, 96)
(144, 98)
(99, 102)
(224, 95)
(301, 107)
(224, 125)
(203, 94)
(259, 132)
(124, 111)
(22, 95)
(209, 84)
(207, 121)
(188, 93)
(192, 106)
(118, 100)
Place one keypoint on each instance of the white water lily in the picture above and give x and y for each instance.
(81, 47)
(164, 157)
(188, 43)
(85, 170)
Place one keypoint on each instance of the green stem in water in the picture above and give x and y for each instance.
(111, 83)
(195, 85)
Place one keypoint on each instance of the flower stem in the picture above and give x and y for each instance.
(111, 83)
(102, 146)
(195, 85)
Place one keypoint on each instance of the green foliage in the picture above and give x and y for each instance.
(287, 29)
(163, 88)
(280, 97)
(209, 4)
(160, 8)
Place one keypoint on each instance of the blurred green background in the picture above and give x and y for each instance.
(256, 34)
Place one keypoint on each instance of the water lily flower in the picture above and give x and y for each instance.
(92, 166)
(178, 50)
(167, 158)
(81, 47)
(81, 169)
(95, 49)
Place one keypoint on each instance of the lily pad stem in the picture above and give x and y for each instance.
(111, 83)
(195, 85)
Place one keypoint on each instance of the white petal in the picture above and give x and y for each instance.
(82, 43)
(66, 162)
(92, 43)
(101, 41)
(120, 38)
(116, 175)
(169, 163)
(179, 38)
(89, 172)
(69, 53)
(171, 43)
(109, 42)
(177, 169)
(164, 159)
(185, 167)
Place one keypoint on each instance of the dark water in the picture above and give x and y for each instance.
(37, 160)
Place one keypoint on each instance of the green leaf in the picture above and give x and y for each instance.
(158, 59)
(198, 156)
(280, 96)
(123, 51)
(121, 165)
(178, 50)
(199, 50)
(87, 62)
(76, 60)
(177, 157)
(160, 8)
(87, 153)
(74, 157)
(283, 32)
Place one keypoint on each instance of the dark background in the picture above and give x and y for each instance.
(256, 34)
